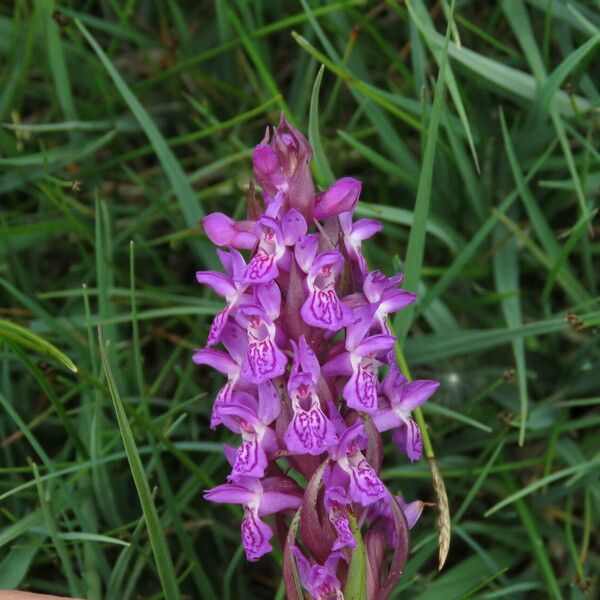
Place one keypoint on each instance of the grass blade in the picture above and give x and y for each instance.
(160, 549)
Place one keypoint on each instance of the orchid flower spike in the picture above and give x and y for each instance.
(311, 383)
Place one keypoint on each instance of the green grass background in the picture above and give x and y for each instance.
(125, 122)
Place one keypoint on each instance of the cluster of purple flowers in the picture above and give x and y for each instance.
(303, 336)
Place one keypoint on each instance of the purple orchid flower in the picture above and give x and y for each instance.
(251, 418)
(319, 581)
(364, 486)
(310, 431)
(264, 360)
(304, 293)
(400, 398)
(235, 341)
(226, 286)
(360, 362)
(385, 298)
(260, 498)
(354, 235)
(323, 308)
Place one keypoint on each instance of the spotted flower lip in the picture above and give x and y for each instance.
(323, 308)
(301, 342)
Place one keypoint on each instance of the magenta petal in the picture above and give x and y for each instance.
(374, 344)
(386, 419)
(358, 328)
(411, 511)
(223, 231)
(229, 493)
(306, 250)
(216, 359)
(264, 361)
(255, 535)
(396, 301)
(235, 340)
(365, 228)
(308, 360)
(365, 487)
(310, 431)
(360, 392)
(274, 502)
(269, 403)
(293, 226)
(217, 326)
(220, 283)
(261, 268)
(250, 460)
(325, 310)
(417, 392)
(341, 196)
(408, 439)
(338, 365)
(269, 296)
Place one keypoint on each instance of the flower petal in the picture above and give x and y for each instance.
(255, 535)
(218, 282)
(324, 309)
(365, 487)
(224, 231)
(250, 460)
(310, 431)
(408, 439)
(269, 403)
(417, 392)
(229, 493)
(360, 392)
(306, 250)
(264, 361)
(216, 359)
(341, 196)
(293, 227)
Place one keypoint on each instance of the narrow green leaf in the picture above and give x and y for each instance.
(158, 541)
(416, 241)
(324, 173)
(188, 202)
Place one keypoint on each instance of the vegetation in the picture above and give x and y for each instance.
(125, 122)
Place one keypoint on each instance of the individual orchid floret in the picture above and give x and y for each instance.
(400, 397)
(354, 234)
(360, 362)
(221, 230)
(309, 431)
(264, 360)
(259, 498)
(229, 363)
(385, 297)
(251, 418)
(272, 250)
(340, 197)
(364, 485)
(227, 286)
(323, 308)
(319, 581)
